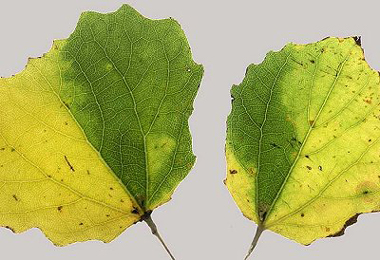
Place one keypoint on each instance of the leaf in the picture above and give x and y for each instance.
(303, 146)
(94, 135)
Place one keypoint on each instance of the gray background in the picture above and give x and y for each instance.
(201, 221)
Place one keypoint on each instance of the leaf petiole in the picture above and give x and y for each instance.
(149, 221)
(260, 229)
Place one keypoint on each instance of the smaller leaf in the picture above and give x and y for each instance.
(303, 140)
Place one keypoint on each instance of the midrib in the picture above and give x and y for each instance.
(311, 127)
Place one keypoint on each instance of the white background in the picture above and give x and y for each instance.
(201, 221)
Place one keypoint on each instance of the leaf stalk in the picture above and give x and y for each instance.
(260, 229)
(149, 221)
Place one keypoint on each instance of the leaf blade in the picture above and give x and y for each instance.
(330, 97)
(80, 107)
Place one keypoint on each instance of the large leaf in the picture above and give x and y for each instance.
(303, 147)
(94, 135)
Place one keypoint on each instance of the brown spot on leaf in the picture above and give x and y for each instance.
(69, 164)
(15, 197)
(364, 189)
(233, 171)
(251, 171)
(66, 104)
(59, 208)
(275, 145)
(309, 167)
(135, 211)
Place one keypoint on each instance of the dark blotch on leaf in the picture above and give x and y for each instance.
(233, 171)
(67, 105)
(69, 164)
(275, 145)
(135, 211)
